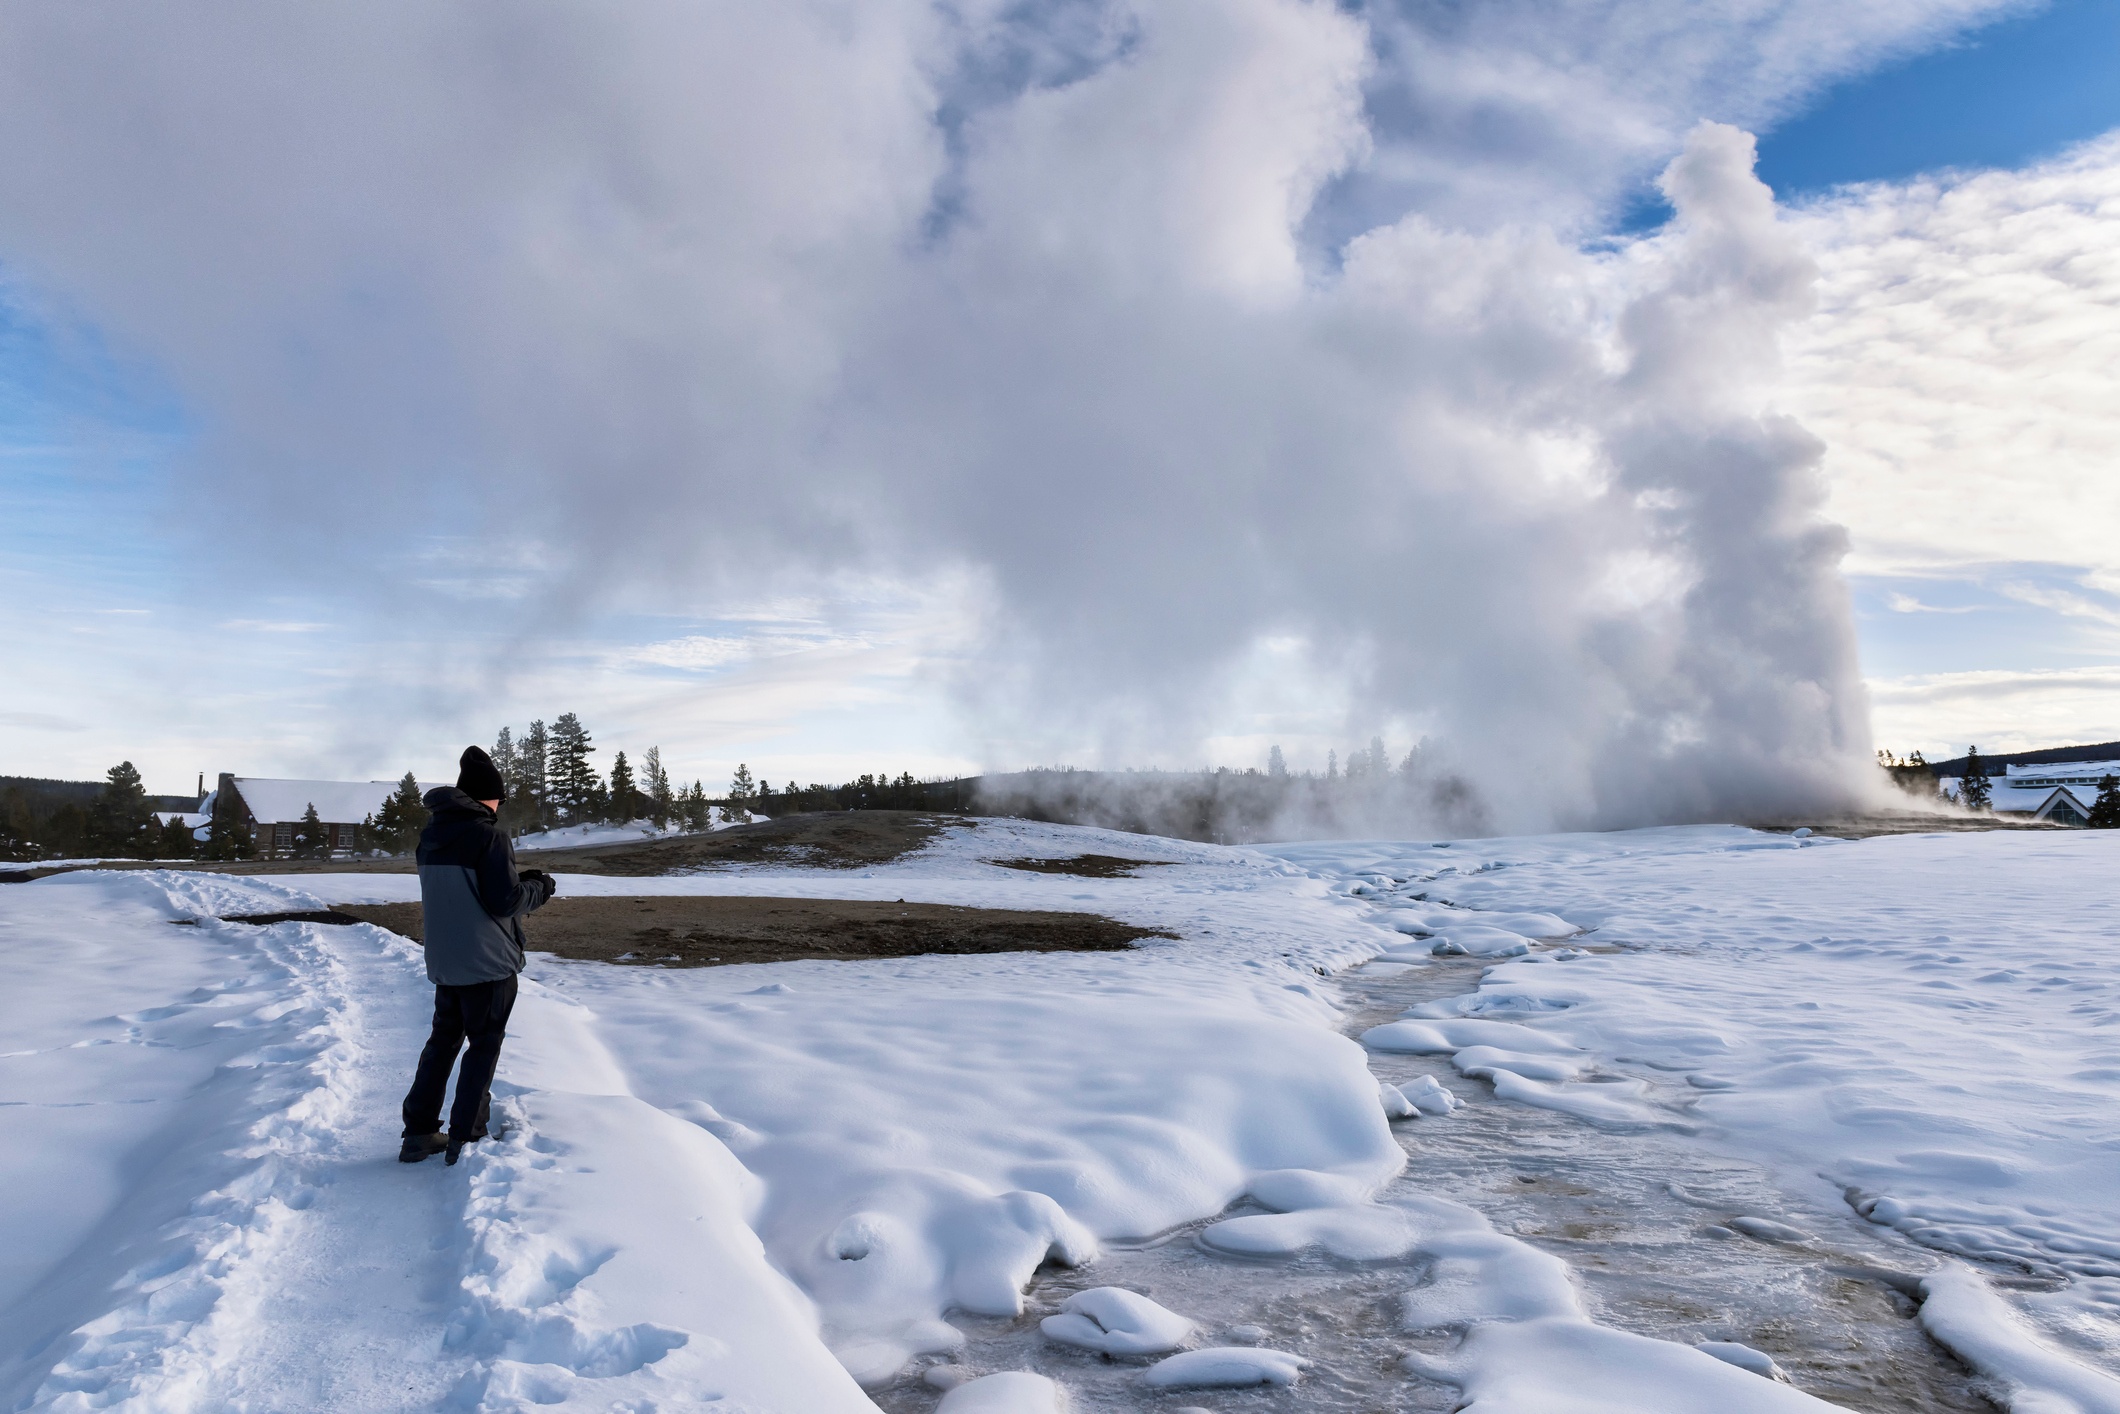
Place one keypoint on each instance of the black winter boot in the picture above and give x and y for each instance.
(421, 1146)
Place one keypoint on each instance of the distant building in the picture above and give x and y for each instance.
(2060, 792)
(273, 808)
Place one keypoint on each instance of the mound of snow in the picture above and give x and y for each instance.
(1117, 1322)
(575, 836)
(1226, 1367)
(1015, 1392)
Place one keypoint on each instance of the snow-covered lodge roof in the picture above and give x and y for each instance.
(2059, 773)
(337, 802)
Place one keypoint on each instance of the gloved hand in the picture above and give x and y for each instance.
(545, 882)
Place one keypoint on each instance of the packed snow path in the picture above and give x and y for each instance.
(350, 1303)
(741, 1188)
(262, 1249)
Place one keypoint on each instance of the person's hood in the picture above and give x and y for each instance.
(448, 799)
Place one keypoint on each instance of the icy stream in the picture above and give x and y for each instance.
(1643, 1215)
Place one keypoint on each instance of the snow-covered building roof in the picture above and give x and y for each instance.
(337, 802)
(2059, 773)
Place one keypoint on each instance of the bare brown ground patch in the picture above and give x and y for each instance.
(722, 931)
(1086, 866)
(839, 839)
(1912, 822)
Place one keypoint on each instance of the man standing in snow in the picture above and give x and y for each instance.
(473, 901)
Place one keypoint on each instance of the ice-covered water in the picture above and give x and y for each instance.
(1643, 1217)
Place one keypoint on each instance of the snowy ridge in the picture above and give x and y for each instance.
(610, 1256)
(1959, 1309)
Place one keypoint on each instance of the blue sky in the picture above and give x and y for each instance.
(2013, 92)
(146, 641)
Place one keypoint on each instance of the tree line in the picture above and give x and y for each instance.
(553, 783)
(71, 820)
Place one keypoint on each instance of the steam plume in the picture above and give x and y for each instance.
(1208, 339)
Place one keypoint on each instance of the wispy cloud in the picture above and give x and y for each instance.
(43, 722)
(1986, 685)
(2063, 602)
(1908, 604)
(702, 652)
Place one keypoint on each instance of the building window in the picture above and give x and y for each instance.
(283, 836)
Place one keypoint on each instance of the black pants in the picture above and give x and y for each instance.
(477, 1013)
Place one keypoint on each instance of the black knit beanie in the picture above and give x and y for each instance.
(478, 777)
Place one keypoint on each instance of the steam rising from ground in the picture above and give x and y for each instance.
(1213, 343)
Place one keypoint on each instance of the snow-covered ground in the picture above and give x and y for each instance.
(799, 1186)
(575, 836)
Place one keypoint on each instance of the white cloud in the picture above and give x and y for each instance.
(1908, 604)
(1942, 713)
(1959, 367)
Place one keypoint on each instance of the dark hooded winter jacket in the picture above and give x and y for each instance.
(470, 894)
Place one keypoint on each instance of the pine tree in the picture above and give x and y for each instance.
(571, 783)
(312, 840)
(530, 760)
(741, 787)
(1276, 763)
(1357, 765)
(1332, 765)
(626, 799)
(228, 835)
(66, 833)
(655, 784)
(17, 826)
(120, 816)
(1973, 788)
(2105, 810)
(177, 840)
(508, 760)
(398, 824)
